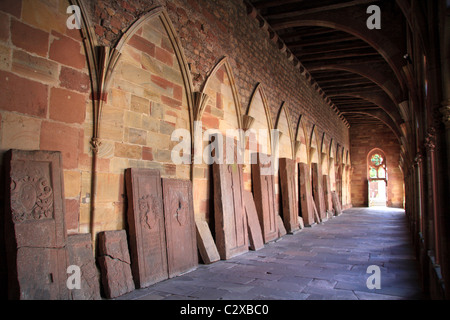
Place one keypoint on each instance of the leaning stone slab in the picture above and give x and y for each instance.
(79, 249)
(254, 228)
(229, 212)
(205, 243)
(182, 253)
(35, 233)
(146, 226)
(114, 261)
(281, 229)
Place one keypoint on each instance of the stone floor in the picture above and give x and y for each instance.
(326, 262)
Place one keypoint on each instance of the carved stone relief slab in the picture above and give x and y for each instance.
(305, 194)
(180, 226)
(35, 233)
(327, 193)
(318, 190)
(36, 198)
(230, 218)
(289, 194)
(264, 195)
(146, 226)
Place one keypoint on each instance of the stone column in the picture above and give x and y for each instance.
(430, 144)
(445, 110)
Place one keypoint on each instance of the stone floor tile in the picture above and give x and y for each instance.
(326, 262)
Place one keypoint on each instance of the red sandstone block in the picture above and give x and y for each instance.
(13, 7)
(164, 56)
(161, 82)
(171, 102)
(142, 45)
(66, 51)
(219, 101)
(67, 106)
(28, 38)
(209, 121)
(72, 213)
(4, 27)
(74, 80)
(178, 92)
(22, 95)
(147, 154)
(61, 137)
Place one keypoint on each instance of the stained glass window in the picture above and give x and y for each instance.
(381, 173)
(377, 166)
(373, 173)
(377, 159)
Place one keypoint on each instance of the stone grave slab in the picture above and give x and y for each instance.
(180, 226)
(254, 229)
(336, 203)
(305, 194)
(327, 193)
(264, 195)
(146, 226)
(115, 264)
(229, 213)
(80, 253)
(205, 243)
(317, 188)
(35, 232)
(281, 229)
(289, 194)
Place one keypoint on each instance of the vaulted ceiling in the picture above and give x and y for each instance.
(358, 68)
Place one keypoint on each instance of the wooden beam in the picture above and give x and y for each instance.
(263, 4)
(342, 55)
(353, 45)
(320, 41)
(290, 15)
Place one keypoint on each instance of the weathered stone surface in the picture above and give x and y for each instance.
(79, 250)
(205, 243)
(280, 225)
(264, 193)
(146, 227)
(327, 193)
(336, 203)
(114, 261)
(180, 226)
(305, 194)
(317, 188)
(289, 194)
(41, 274)
(35, 231)
(35, 208)
(230, 219)
(254, 228)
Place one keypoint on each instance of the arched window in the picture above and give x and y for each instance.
(377, 165)
(377, 178)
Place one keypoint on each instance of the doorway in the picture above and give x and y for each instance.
(377, 193)
(377, 178)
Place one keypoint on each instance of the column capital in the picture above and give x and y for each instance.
(445, 110)
(430, 139)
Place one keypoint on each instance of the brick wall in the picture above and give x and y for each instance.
(364, 139)
(45, 88)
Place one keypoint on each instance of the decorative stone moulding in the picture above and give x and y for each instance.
(247, 122)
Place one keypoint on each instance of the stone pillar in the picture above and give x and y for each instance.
(445, 110)
(430, 144)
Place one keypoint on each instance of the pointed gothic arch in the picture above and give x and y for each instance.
(284, 126)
